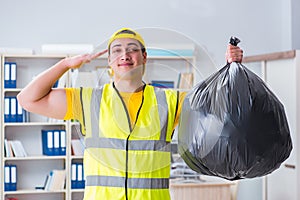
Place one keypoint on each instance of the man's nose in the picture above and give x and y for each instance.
(125, 55)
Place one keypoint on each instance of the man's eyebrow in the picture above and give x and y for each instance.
(129, 44)
(133, 44)
(116, 45)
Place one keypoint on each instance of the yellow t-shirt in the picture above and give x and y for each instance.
(132, 102)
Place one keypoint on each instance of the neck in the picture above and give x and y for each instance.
(129, 86)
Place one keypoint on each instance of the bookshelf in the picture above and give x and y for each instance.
(33, 169)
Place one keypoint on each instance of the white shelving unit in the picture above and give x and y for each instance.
(33, 169)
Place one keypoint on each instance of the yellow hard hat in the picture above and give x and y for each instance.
(126, 33)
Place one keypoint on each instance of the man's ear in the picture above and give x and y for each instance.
(145, 57)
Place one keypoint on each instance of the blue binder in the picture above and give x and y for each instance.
(74, 176)
(48, 142)
(13, 177)
(77, 176)
(62, 142)
(6, 75)
(80, 176)
(56, 145)
(7, 178)
(10, 178)
(54, 142)
(10, 109)
(20, 113)
(13, 109)
(7, 109)
(10, 75)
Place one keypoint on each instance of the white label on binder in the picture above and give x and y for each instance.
(63, 138)
(13, 71)
(79, 171)
(6, 71)
(6, 106)
(20, 109)
(6, 174)
(49, 139)
(13, 104)
(13, 174)
(56, 139)
(73, 172)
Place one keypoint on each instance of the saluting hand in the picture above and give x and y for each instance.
(77, 61)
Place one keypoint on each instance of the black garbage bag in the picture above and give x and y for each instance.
(233, 126)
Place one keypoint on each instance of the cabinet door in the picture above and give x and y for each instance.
(281, 77)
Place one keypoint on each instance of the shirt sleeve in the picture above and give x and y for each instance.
(73, 104)
(69, 104)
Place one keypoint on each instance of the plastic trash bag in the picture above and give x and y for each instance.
(233, 126)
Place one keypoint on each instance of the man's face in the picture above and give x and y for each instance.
(126, 58)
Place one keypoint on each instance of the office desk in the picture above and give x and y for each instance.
(207, 190)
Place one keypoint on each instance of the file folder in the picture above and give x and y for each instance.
(47, 142)
(13, 109)
(10, 75)
(80, 181)
(62, 145)
(13, 177)
(6, 109)
(10, 178)
(13, 75)
(6, 75)
(77, 176)
(7, 178)
(56, 142)
(74, 176)
(20, 113)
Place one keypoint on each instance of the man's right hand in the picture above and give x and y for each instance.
(77, 61)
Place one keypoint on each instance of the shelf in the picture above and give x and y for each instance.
(28, 191)
(29, 124)
(77, 190)
(76, 157)
(37, 157)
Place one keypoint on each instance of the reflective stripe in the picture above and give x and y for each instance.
(113, 143)
(133, 183)
(162, 107)
(95, 110)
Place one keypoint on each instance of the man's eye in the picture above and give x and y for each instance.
(117, 51)
(133, 50)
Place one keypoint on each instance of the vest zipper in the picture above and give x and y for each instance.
(126, 170)
(83, 116)
(131, 129)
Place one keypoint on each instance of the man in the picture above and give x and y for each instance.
(127, 125)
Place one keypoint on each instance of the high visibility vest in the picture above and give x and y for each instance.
(124, 162)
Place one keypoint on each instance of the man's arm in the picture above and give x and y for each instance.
(39, 96)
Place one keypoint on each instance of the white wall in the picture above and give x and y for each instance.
(295, 24)
(263, 26)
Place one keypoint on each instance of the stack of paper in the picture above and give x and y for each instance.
(55, 180)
